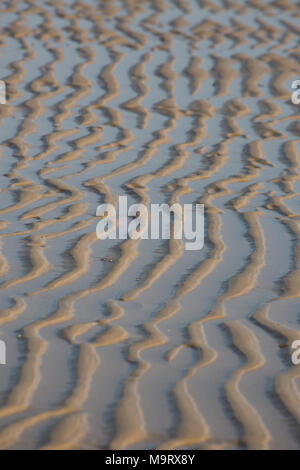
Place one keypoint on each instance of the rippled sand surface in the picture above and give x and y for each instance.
(143, 344)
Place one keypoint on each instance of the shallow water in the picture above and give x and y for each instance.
(142, 344)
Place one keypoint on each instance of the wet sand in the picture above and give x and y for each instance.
(140, 344)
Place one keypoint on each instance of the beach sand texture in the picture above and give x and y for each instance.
(141, 344)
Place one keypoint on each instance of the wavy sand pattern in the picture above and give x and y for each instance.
(141, 344)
